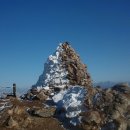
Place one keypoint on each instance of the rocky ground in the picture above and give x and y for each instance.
(27, 115)
(110, 109)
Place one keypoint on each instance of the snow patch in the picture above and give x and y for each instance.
(5, 105)
(72, 101)
(54, 73)
(39, 88)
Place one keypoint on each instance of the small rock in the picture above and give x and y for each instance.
(92, 116)
(12, 123)
(27, 122)
(18, 110)
(41, 96)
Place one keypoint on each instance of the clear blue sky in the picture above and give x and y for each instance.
(30, 31)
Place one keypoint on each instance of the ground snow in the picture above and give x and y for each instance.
(4, 104)
(72, 101)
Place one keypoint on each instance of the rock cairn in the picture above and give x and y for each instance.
(62, 69)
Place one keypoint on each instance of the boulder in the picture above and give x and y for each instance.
(121, 124)
(42, 112)
(41, 95)
(91, 117)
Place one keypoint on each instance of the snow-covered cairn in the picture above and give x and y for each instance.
(67, 80)
(64, 68)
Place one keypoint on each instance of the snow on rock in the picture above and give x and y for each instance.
(54, 73)
(39, 88)
(4, 104)
(72, 101)
(64, 68)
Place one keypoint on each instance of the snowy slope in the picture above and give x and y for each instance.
(54, 74)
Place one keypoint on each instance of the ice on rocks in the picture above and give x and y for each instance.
(72, 101)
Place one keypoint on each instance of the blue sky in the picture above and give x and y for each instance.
(30, 30)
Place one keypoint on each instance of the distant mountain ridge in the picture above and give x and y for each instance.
(107, 84)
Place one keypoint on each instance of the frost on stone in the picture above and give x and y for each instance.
(54, 74)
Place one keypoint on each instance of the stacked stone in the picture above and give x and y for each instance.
(77, 71)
